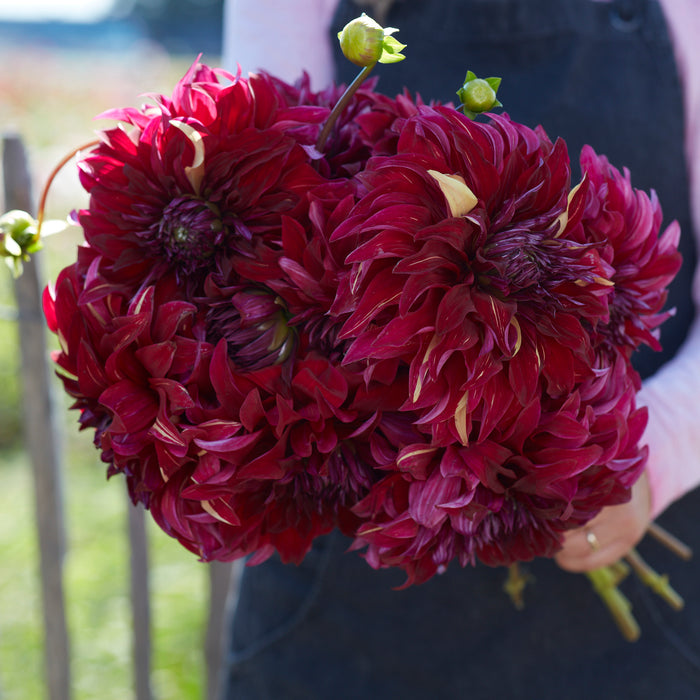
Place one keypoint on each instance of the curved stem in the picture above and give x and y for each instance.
(340, 105)
(49, 181)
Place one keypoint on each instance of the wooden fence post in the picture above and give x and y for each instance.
(140, 602)
(41, 433)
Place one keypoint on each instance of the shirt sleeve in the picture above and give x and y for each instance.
(283, 38)
(671, 396)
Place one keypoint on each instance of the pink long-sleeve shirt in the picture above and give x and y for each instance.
(257, 36)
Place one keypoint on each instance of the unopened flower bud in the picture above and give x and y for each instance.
(18, 238)
(365, 42)
(361, 41)
(19, 225)
(478, 94)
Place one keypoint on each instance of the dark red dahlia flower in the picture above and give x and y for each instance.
(627, 222)
(195, 177)
(509, 497)
(462, 260)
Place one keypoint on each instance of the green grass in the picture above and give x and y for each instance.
(51, 99)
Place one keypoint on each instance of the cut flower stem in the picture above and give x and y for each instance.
(680, 549)
(606, 579)
(515, 585)
(657, 582)
(340, 105)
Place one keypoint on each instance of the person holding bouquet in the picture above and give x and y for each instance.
(621, 75)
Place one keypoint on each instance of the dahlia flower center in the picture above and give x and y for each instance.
(342, 480)
(254, 324)
(523, 259)
(190, 231)
(322, 335)
(523, 266)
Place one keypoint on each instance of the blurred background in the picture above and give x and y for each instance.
(62, 63)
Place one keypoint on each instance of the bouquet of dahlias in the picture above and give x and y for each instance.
(412, 328)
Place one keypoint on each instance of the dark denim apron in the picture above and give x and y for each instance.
(333, 628)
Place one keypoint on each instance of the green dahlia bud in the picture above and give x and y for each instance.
(365, 42)
(19, 226)
(17, 238)
(478, 94)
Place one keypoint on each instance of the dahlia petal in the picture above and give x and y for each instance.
(165, 431)
(157, 359)
(318, 378)
(133, 408)
(301, 278)
(497, 317)
(169, 317)
(566, 427)
(268, 466)
(384, 535)
(523, 373)
(496, 401)
(415, 460)
(125, 444)
(92, 379)
(228, 447)
(208, 466)
(48, 300)
(173, 393)
(382, 292)
(425, 499)
(555, 463)
(453, 308)
(391, 241)
(252, 410)
(557, 368)
(460, 199)
(221, 510)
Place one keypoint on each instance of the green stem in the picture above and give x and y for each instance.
(620, 571)
(340, 105)
(680, 549)
(515, 585)
(657, 582)
(604, 583)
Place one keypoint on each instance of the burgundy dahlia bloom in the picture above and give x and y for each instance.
(627, 222)
(463, 270)
(197, 176)
(509, 497)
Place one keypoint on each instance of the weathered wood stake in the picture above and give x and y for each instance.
(41, 432)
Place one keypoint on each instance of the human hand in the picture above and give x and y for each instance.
(610, 535)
